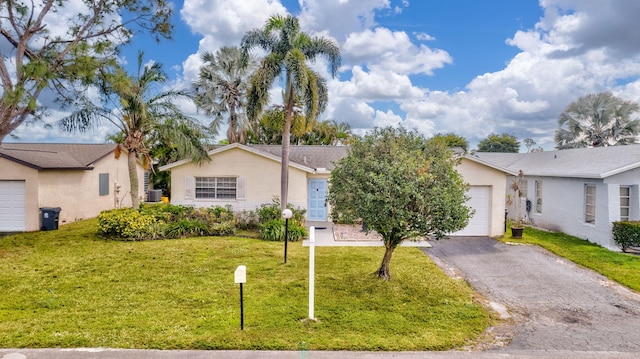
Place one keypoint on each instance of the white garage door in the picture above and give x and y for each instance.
(12, 206)
(480, 202)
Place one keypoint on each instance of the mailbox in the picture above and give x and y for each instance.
(240, 274)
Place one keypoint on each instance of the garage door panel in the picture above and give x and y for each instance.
(480, 202)
(12, 206)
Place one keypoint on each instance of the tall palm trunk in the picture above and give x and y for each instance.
(286, 145)
(133, 179)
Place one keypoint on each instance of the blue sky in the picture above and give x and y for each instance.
(465, 66)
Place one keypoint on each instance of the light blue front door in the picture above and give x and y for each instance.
(317, 200)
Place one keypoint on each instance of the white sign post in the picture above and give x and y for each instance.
(312, 262)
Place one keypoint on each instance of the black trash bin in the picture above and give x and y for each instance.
(49, 218)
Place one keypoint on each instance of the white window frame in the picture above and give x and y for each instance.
(625, 197)
(220, 188)
(524, 184)
(590, 203)
(538, 190)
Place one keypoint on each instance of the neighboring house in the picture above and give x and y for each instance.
(246, 177)
(80, 179)
(578, 191)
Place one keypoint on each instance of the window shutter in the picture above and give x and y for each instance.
(103, 179)
(241, 185)
(189, 187)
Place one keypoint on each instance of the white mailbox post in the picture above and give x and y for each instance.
(240, 277)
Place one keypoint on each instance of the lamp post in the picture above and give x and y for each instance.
(286, 214)
(240, 276)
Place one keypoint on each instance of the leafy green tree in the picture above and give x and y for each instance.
(35, 56)
(143, 118)
(288, 50)
(222, 88)
(401, 186)
(452, 140)
(597, 120)
(499, 143)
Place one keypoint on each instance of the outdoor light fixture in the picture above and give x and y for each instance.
(286, 214)
(240, 277)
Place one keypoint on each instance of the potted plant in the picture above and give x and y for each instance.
(517, 226)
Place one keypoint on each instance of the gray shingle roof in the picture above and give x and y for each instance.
(597, 162)
(56, 155)
(311, 156)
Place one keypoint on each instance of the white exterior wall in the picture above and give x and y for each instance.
(476, 174)
(563, 205)
(77, 193)
(262, 176)
(13, 171)
(563, 208)
(632, 179)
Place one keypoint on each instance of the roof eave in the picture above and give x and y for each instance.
(491, 165)
(245, 148)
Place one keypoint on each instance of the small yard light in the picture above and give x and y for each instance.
(240, 276)
(286, 214)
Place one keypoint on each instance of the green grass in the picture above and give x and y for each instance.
(70, 288)
(623, 268)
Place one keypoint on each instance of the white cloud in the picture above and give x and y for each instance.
(225, 22)
(377, 85)
(389, 50)
(340, 17)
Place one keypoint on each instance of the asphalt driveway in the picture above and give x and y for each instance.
(552, 304)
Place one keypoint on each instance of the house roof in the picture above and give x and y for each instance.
(306, 158)
(316, 157)
(46, 156)
(599, 162)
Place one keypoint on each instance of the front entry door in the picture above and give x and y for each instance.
(317, 200)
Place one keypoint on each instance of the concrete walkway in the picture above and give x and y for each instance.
(325, 238)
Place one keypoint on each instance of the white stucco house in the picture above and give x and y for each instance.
(247, 176)
(578, 191)
(80, 179)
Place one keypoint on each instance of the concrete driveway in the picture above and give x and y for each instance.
(552, 304)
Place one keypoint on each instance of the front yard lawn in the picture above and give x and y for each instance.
(623, 268)
(71, 288)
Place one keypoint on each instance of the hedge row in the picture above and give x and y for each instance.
(165, 221)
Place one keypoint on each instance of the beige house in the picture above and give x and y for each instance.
(246, 177)
(80, 179)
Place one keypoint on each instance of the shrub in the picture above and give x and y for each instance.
(124, 223)
(187, 228)
(274, 230)
(223, 229)
(626, 234)
(271, 211)
(157, 221)
(247, 219)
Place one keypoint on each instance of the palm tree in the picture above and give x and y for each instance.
(140, 116)
(597, 120)
(328, 133)
(288, 49)
(222, 88)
